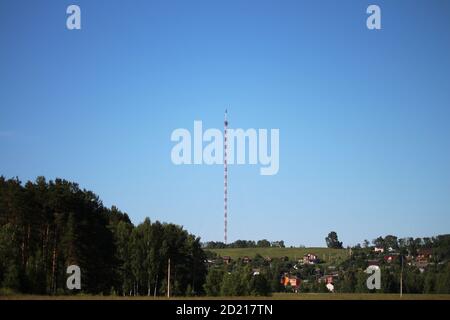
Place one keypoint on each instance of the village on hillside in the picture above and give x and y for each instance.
(418, 261)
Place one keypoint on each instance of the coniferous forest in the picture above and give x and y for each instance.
(45, 226)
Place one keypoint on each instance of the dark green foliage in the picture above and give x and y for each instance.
(259, 285)
(235, 283)
(237, 280)
(213, 285)
(333, 241)
(264, 243)
(47, 226)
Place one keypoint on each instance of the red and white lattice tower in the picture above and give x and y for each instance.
(225, 177)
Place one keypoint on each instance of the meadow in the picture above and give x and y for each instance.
(326, 254)
(276, 296)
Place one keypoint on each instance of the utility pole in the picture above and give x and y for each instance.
(401, 279)
(168, 279)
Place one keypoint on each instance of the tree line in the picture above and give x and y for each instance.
(47, 226)
(439, 244)
(264, 243)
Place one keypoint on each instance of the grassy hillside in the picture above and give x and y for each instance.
(325, 254)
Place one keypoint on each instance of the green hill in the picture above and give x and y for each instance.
(325, 254)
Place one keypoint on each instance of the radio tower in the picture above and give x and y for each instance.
(225, 178)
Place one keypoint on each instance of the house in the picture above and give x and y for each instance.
(330, 287)
(378, 250)
(390, 258)
(424, 255)
(226, 259)
(292, 281)
(310, 258)
(328, 278)
(246, 259)
(277, 244)
(423, 258)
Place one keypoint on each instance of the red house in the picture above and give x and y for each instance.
(226, 259)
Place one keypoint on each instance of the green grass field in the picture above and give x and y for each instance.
(325, 254)
(277, 296)
(358, 296)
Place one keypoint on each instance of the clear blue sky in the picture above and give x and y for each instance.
(363, 115)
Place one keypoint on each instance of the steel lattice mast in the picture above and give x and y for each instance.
(225, 177)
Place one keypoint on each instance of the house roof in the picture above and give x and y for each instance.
(425, 251)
